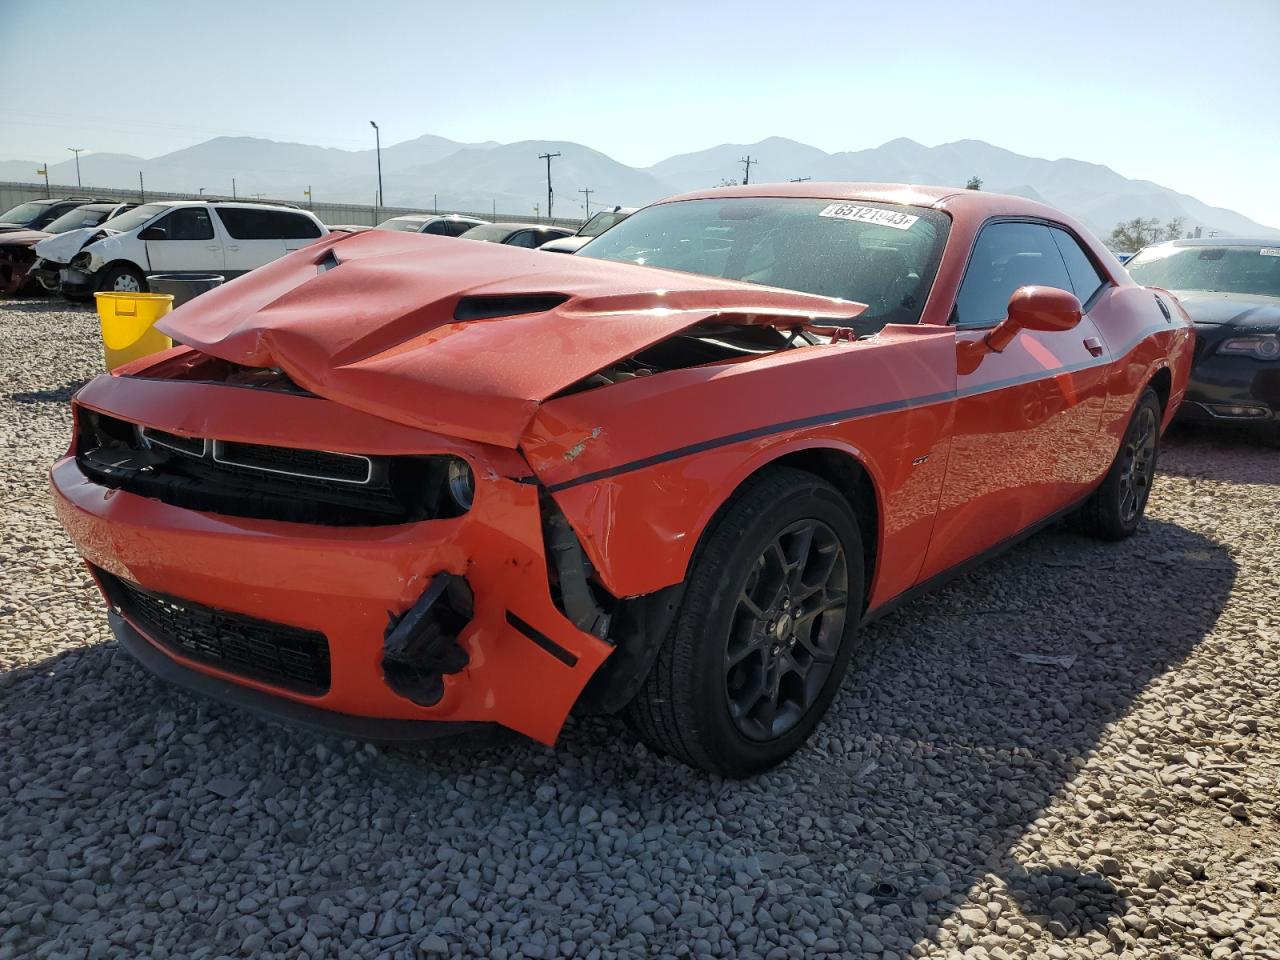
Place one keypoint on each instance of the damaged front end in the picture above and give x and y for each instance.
(329, 490)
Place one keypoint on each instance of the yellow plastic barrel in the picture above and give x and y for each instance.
(128, 320)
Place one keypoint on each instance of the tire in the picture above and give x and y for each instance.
(694, 704)
(1115, 509)
(122, 278)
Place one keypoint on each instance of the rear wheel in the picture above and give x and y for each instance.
(764, 633)
(1116, 507)
(123, 278)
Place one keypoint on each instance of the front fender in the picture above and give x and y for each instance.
(641, 467)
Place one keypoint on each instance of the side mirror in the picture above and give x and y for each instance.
(1035, 308)
(154, 233)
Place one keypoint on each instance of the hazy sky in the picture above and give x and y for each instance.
(1183, 93)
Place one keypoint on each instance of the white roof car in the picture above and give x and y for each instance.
(441, 225)
(227, 237)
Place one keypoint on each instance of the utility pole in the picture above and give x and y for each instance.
(142, 191)
(587, 192)
(77, 151)
(200, 194)
(537, 213)
(307, 194)
(377, 138)
(747, 162)
(435, 203)
(550, 194)
(44, 172)
(495, 208)
(233, 188)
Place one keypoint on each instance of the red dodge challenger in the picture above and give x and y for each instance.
(392, 485)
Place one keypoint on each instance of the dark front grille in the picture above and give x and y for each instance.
(262, 481)
(283, 656)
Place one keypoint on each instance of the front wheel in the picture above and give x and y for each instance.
(1116, 507)
(123, 278)
(763, 636)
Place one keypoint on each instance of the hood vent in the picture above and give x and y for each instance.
(506, 305)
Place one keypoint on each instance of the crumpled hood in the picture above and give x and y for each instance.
(22, 238)
(368, 320)
(61, 247)
(1237, 309)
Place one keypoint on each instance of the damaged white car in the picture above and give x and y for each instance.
(172, 236)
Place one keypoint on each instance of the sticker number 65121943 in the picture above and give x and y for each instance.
(882, 218)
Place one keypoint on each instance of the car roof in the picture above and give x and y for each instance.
(955, 200)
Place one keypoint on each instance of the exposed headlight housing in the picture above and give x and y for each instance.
(1261, 346)
(462, 484)
(82, 260)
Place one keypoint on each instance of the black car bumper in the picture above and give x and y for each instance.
(371, 729)
(1232, 390)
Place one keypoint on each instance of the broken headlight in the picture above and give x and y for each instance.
(462, 484)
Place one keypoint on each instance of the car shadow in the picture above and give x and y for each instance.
(942, 751)
(62, 394)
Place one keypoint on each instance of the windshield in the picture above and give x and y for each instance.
(133, 219)
(24, 213)
(1251, 270)
(79, 217)
(600, 223)
(882, 255)
(491, 232)
(402, 223)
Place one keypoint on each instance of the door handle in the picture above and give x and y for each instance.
(1093, 345)
(232, 247)
(211, 248)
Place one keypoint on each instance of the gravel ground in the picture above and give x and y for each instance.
(958, 801)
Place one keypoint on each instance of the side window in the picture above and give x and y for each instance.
(1085, 277)
(455, 228)
(291, 226)
(188, 223)
(525, 238)
(437, 228)
(241, 224)
(1007, 256)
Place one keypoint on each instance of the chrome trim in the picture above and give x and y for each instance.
(219, 447)
(148, 441)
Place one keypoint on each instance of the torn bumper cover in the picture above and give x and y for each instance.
(448, 619)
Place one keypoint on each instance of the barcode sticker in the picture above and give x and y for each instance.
(882, 218)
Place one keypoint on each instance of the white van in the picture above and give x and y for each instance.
(172, 236)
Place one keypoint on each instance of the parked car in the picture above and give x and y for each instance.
(516, 234)
(17, 247)
(440, 225)
(668, 476)
(597, 225)
(1231, 289)
(175, 236)
(37, 214)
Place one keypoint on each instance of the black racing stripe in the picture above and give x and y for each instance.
(839, 416)
(723, 441)
(567, 657)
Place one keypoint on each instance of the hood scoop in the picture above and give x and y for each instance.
(506, 305)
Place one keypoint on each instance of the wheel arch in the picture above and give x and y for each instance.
(110, 265)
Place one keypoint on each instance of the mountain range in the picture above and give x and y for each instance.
(435, 171)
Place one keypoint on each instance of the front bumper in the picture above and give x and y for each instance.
(1235, 391)
(75, 281)
(343, 582)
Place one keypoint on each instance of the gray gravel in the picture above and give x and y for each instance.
(960, 801)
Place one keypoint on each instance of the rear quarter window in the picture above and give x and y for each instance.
(243, 223)
(1086, 278)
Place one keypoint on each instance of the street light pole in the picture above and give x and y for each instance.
(550, 194)
(377, 138)
(77, 151)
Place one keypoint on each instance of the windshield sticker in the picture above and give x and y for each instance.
(1270, 251)
(882, 218)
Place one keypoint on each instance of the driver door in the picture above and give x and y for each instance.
(1026, 419)
(188, 244)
